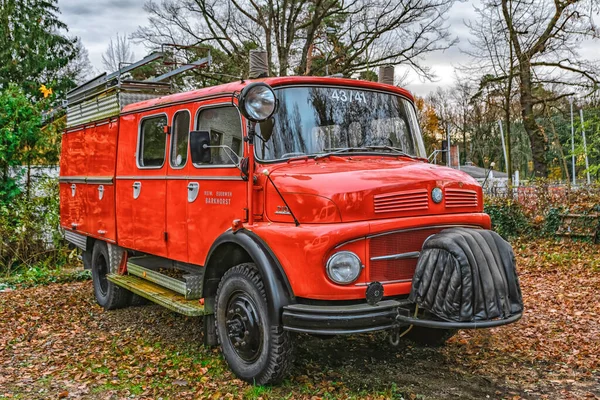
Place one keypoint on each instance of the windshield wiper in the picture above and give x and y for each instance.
(394, 149)
(339, 150)
(367, 148)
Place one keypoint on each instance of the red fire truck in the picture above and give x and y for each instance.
(277, 205)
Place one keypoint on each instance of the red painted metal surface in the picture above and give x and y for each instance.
(363, 188)
(176, 197)
(73, 207)
(141, 221)
(340, 201)
(87, 164)
(303, 251)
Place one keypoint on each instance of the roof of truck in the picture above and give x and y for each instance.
(229, 88)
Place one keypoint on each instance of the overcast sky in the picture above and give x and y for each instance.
(96, 22)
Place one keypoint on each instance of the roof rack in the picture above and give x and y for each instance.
(105, 95)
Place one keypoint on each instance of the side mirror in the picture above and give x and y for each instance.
(266, 129)
(199, 147)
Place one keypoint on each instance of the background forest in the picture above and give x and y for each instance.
(525, 71)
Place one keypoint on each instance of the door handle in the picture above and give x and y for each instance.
(193, 191)
(137, 188)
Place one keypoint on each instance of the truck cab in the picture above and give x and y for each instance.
(281, 205)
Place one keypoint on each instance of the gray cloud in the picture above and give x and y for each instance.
(96, 22)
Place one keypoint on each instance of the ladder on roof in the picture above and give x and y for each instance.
(105, 95)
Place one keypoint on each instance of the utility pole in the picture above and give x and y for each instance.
(504, 147)
(572, 144)
(448, 149)
(587, 164)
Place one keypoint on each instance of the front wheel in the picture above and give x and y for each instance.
(255, 351)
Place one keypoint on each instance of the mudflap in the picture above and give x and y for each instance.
(467, 278)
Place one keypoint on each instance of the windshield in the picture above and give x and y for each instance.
(322, 120)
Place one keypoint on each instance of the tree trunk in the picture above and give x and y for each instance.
(283, 63)
(509, 167)
(269, 50)
(464, 155)
(309, 59)
(559, 147)
(539, 145)
(28, 177)
(307, 49)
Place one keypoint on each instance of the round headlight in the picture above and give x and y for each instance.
(257, 102)
(343, 267)
(436, 195)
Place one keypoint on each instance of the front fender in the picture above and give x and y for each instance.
(277, 287)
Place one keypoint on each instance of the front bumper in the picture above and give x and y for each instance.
(361, 318)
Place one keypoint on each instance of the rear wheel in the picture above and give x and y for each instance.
(108, 295)
(255, 351)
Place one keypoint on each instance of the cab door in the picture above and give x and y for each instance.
(221, 192)
(178, 193)
(148, 187)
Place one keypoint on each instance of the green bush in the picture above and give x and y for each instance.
(29, 232)
(508, 217)
(552, 221)
(536, 210)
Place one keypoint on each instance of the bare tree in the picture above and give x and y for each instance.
(442, 102)
(462, 94)
(349, 35)
(492, 65)
(80, 67)
(522, 47)
(545, 36)
(118, 53)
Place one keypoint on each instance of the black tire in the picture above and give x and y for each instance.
(108, 295)
(430, 336)
(256, 352)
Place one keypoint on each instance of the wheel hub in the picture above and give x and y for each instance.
(243, 327)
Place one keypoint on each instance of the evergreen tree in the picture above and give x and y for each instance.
(20, 122)
(33, 47)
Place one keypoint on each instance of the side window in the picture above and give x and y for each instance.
(179, 139)
(225, 129)
(153, 142)
(236, 145)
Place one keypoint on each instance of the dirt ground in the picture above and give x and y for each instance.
(55, 342)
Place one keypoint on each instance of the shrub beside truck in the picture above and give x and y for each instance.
(278, 205)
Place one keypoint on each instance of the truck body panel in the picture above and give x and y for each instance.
(148, 209)
(87, 192)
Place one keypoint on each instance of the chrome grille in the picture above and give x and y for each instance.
(456, 198)
(404, 246)
(410, 200)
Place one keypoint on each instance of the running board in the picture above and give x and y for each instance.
(186, 283)
(159, 295)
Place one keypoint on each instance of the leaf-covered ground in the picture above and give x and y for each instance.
(55, 342)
